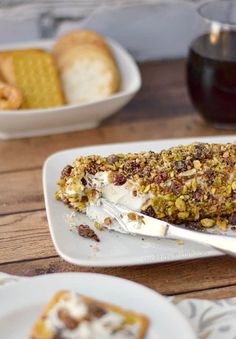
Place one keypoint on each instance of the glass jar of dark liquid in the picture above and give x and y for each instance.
(211, 65)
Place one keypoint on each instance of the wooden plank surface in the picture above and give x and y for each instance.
(191, 276)
(160, 110)
(24, 191)
(24, 236)
(27, 154)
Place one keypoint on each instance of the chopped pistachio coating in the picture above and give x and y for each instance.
(193, 183)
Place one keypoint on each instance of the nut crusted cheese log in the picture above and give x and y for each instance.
(193, 183)
(71, 315)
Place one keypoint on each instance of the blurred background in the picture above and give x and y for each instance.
(150, 30)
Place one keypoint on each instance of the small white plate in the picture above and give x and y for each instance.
(22, 302)
(114, 249)
(35, 122)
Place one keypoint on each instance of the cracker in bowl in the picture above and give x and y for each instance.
(34, 74)
(88, 74)
(78, 38)
(87, 68)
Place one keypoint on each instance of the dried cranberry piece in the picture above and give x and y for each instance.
(83, 181)
(66, 318)
(95, 310)
(180, 166)
(111, 159)
(118, 179)
(161, 176)
(176, 187)
(86, 232)
(66, 171)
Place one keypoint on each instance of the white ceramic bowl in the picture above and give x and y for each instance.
(35, 122)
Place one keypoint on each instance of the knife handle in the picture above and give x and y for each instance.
(223, 243)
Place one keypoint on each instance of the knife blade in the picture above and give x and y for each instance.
(133, 222)
(136, 222)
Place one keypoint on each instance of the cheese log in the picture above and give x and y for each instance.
(186, 184)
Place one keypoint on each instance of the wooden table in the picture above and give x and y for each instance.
(160, 110)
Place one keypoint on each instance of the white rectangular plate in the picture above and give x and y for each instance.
(114, 249)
